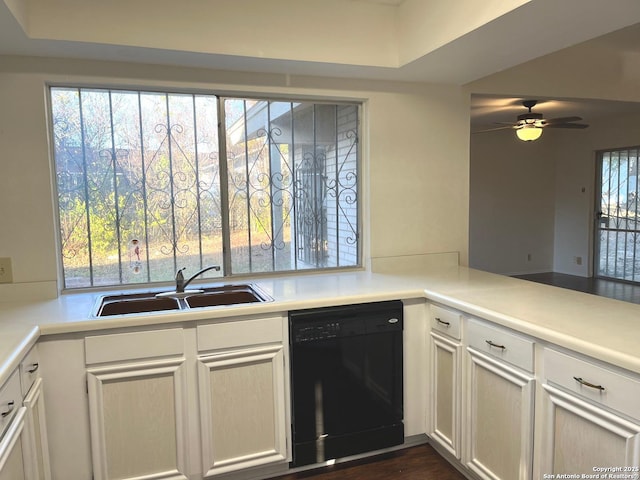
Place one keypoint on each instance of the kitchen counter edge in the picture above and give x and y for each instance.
(573, 320)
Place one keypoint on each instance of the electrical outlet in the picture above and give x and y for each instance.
(528, 257)
(6, 273)
(578, 260)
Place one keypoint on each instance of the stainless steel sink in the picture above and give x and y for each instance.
(134, 303)
(227, 295)
(124, 304)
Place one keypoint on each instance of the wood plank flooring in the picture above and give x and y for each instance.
(626, 292)
(415, 463)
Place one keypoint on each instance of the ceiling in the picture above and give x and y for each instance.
(435, 41)
(615, 55)
(475, 51)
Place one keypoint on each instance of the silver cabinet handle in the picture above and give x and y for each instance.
(11, 405)
(495, 345)
(442, 322)
(587, 384)
(34, 368)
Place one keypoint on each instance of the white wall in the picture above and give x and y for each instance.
(512, 197)
(575, 187)
(26, 211)
(419, 173)
(416, 155)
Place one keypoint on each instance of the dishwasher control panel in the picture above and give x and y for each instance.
(319, 324)
(320, 331)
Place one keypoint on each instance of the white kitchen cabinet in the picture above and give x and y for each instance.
(37, 458)
(590, 417)
(161, 403)
(12, 434)
(24, 450)
(137, 405)
(37, 446)
(445, 379)
(499, 403)
(10, 400)
(242, 372)
(415, 357)
(12, 448)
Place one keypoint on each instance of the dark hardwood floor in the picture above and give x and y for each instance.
(415, 463)
(605, 288)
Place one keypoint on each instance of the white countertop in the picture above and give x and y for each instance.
(599, 327)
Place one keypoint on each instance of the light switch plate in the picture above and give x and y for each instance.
(6, 273)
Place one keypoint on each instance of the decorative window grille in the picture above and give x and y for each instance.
(150, 182)
(618, 226)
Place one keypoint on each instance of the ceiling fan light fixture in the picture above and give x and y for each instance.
(529, 133)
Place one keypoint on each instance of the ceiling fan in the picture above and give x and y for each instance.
(529, 125)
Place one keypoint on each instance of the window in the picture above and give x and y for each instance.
(617, 232)
(150, 182)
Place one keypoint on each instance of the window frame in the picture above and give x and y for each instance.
(362, 241)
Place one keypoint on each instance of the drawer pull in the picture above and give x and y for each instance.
(587, 384)
(495, 345)
(10, 405)
(34, 368)
(442, 322)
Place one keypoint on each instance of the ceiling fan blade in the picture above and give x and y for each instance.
(494, 129)
(567, 125)
(552, 121)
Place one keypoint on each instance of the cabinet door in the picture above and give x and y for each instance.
(37, 453)
(242, 403)
(444, 408)
(11, 449)
(500, 420)
(579, 436)
(138, 420)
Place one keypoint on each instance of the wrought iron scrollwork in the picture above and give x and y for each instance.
(134, 189)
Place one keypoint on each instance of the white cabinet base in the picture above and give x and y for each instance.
(580, 436)
(38, 467)
(500, 420)
(445, 380)
(12, 447)
(242, 404)
(138, 420)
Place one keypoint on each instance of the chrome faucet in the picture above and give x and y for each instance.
(181, 284)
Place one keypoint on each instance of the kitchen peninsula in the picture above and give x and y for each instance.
(555, 328)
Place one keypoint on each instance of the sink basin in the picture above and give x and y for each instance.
(130, 303)
(227, 295)
(135, 303)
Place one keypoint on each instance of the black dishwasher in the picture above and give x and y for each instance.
(346, 372)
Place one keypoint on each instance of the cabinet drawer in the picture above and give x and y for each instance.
(445, 321)
(501, 343)
(119, 347)
(29, 370)
(10, 400)
(239, 333)
(607, 387)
